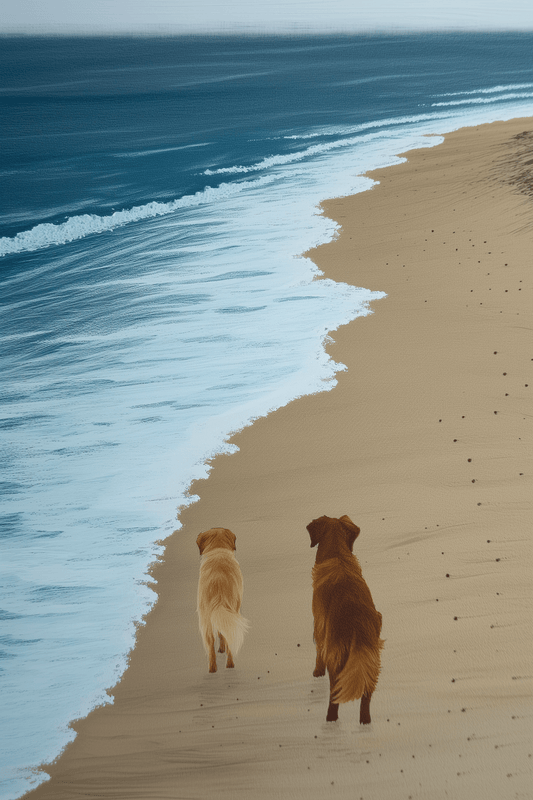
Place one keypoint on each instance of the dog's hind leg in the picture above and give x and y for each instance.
(333, 708)
(364, 709)
(222, 646)
(210, 640)
(320, 667)
(229, 658)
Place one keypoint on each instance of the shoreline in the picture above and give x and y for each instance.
(439, 374)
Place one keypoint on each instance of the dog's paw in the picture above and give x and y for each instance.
(213, 668)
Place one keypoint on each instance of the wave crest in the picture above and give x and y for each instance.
(49, 233)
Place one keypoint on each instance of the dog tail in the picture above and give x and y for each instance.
(360, 673)
(231, 625)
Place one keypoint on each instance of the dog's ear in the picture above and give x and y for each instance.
(231, 538)
(201, 540)
(351, 530)
(316, 529)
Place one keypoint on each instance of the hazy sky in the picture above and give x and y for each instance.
(296, 16)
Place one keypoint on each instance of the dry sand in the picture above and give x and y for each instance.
(425, 442)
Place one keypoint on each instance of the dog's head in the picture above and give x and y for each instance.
(216, 537)
(328, 527)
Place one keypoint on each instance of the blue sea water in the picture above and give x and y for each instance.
(157, 197)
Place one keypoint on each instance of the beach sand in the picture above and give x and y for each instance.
(425, 443)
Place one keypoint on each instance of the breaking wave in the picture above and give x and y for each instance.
(49, 233)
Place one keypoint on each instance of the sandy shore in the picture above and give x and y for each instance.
(425, 443)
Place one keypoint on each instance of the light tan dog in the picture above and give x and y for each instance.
(347, 626)
(220, 590)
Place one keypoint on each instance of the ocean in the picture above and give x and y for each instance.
(158, 195)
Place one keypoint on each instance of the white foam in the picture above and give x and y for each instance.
(141, 153)
(48, 233)
(491, 90)
(313, 150)
(344, 130)
(485, 100)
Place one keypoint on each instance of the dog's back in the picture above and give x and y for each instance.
(347, 626)
(220, 591)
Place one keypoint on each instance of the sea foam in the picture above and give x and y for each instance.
(48, 233)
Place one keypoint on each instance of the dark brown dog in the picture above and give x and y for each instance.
(220, 589)
(347, 625)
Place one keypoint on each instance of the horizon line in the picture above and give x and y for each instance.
(171, 31)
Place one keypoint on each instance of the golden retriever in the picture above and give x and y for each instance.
(220, 590)
(347, 626)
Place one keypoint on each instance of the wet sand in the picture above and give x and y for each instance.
(425, 443)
